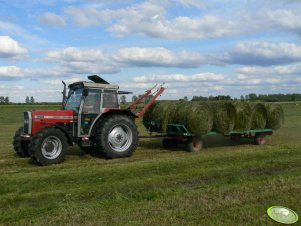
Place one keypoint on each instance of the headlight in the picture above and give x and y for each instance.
(27, 122)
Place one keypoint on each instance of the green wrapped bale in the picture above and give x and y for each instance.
(275, 116)
(199, 118)
(259, 116)
(243, 116)
(224, 117)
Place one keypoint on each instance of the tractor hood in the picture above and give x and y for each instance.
(52, 116)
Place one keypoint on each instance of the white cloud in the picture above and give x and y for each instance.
(9, 48)
(159, 57)
(8, 73)
(149, 18)
(202, 77)
(291, 70)
(8, 28)
(283, 19)
(59, 82)
(82, 61)
(75, 55)
(263, 53)
(51, 19)
(155, 19)
(183, 27)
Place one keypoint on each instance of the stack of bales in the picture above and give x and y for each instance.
(223, 117)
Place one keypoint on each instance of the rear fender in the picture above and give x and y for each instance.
(109, 113)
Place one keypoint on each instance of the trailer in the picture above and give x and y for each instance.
(178, 134)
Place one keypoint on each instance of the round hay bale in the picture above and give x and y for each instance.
(199, 118)
(243, 116)
(147, 117)
(275, 116)
(179, 115)
(160, 114)
(224, 117)
(259, 116)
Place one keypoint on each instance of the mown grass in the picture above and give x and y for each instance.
(222, 185)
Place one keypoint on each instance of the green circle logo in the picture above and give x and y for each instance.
(282, 214)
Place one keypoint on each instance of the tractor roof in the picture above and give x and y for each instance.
(94, 85)
(97, 83)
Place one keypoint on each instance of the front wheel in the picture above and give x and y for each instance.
(20, 146)
(117, 136)
(48, 146)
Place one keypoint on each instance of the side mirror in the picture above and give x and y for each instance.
(86, 92)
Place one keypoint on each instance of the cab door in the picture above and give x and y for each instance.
(90, 109)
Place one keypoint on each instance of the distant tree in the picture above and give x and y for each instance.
(123, 99)
(32, 101)
(293, 97)
(185, 98)
(2, 99)
(252, 96)
(247, 97)
(27, 100)
(134, 98)
(242, 98)
(6, 100)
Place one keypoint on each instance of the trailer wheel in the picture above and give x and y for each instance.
(169, 143)
(20, 146)
(195, 145)
(260, 139)
(48, 146)
(117, 136)
(235, 138)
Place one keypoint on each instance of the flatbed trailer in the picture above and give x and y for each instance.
(179, 134)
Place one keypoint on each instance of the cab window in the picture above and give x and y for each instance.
(110, 99)
(92, 102)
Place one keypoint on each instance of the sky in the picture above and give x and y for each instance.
(197, 48)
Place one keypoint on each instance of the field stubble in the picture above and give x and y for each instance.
(222, 185)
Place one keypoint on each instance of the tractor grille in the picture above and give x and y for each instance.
(27, 122)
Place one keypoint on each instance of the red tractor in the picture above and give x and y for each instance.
(90, 117)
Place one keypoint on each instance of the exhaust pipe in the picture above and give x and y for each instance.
(64, 95)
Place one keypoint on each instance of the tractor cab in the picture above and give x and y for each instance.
(89, 100)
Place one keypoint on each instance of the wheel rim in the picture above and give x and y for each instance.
(51, 147)
(262, 140)
(120, 138)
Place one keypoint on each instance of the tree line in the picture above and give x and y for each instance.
(252, 97)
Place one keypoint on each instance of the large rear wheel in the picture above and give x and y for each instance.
(48, 146)
(117, 136)
(20, 146)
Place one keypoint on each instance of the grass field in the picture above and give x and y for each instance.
(222, 185)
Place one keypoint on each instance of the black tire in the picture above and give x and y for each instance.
(117, 130)
(260, 139)
(88, 150)
(169, 143)
(20, 146)
(48, 146)
(235, 138)
(195, 145)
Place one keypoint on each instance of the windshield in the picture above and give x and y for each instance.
(73, 100)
